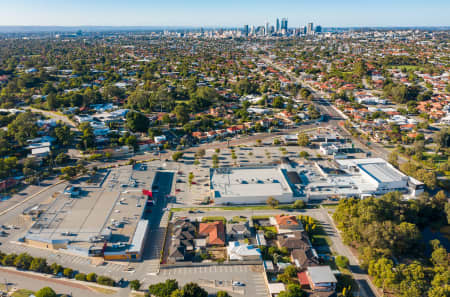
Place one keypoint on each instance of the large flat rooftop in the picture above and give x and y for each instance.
(116, 205)
(249, 181)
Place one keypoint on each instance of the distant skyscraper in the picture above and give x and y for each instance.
(278, 26)
(267, 28)
(245, 30)
(284, 24)
(310, 29)
(318, 29)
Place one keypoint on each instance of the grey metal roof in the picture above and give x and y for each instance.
(321, 274)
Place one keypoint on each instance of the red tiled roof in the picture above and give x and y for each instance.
(283, 220)
(215, 232)
(303, 278)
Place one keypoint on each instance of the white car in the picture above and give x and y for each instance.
(238, 284)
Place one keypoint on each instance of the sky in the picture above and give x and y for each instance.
(225, 13)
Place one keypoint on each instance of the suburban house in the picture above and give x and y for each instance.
(242, 252)
(304, 258)
(319, 278)
(182, 240)
(214, 232)
(286, 224)
(295, 240)
(238, 231)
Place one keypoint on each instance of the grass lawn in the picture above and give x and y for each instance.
(330, 205)
(214, 219)
(408, 67)
(22, 293)
(238, 219)
(269, 228)
(319, 238)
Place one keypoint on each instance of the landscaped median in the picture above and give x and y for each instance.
(104, 289)
(241, 207)
(24, 263)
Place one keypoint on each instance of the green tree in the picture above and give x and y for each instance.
(194, 290)
(190, 177)
(91, 277)
(9, 260)
(68, 272)
(299, 204)
(23, 127)
(23, 261)
(38, 265)
(359, 69)
(341, 261)
(382, 273)
(293, 290)
(64, 135)
(272, 202)
(278, 102)
(132, 142)
(80, 276)
(164, 289)
(303, 139)
(106, 281)
(182, 113)
(393, 159)
(176, 156)
(56, 268)
(87, 137)
(135, 284)
(223, 294)
(137, 122)
(303, 154)
(45, 292)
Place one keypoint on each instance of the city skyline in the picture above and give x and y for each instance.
(232, 13)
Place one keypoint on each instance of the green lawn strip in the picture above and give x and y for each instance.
(214, 218)
(245, 207)
(22, 293)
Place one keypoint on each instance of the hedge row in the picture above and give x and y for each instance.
(26, 262)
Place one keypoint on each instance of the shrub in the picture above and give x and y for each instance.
(45, 292)
(299, 204)
(80, 276)
(106, 281)
(68, 272)
(91, 277)
(176, 156)
(135, 284)
(341, 261)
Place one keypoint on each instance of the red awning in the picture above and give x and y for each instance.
(147, 193)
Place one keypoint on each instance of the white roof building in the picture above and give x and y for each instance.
(241, 252)
(249, 185)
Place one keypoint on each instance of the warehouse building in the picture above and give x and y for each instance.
(250, 185)
(355, 178)
(102, 220)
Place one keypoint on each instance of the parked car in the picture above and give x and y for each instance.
(238, 284)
